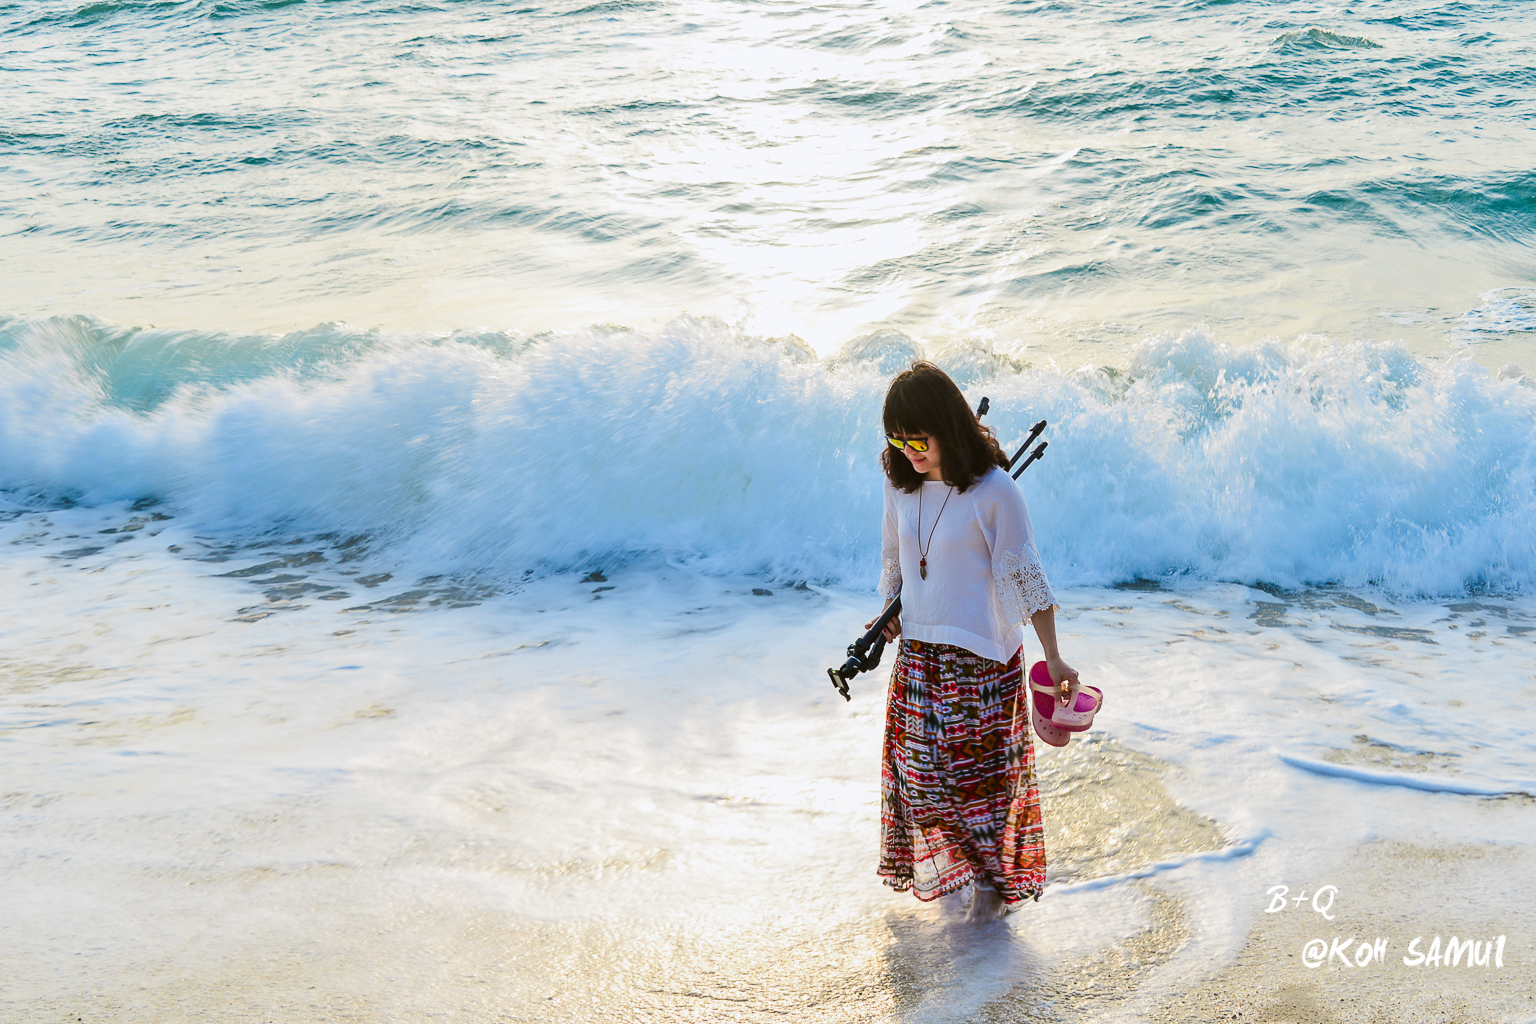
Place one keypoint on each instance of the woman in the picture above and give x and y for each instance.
(959, 804)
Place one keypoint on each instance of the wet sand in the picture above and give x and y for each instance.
(1396, 891)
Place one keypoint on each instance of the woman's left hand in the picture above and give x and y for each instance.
(1065, 678)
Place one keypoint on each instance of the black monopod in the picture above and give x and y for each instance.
(864, 653)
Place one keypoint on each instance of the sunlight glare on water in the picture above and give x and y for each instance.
(815, 202)
(1062, 178)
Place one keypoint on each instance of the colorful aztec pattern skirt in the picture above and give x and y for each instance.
(959, 802)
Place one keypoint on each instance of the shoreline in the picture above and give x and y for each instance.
(630, 799)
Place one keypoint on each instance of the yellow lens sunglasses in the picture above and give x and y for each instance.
(916, 444)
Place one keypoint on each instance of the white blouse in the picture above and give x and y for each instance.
(984, 573)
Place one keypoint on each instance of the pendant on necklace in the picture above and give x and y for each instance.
(922, 568)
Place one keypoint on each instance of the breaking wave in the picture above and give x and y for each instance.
(494, 454)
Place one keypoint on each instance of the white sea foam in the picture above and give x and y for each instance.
(1429, 784)
(1241, 848)
(1504, 311)
(636, 774)
(496, 454)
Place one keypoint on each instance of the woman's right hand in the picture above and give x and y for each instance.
(892, 629)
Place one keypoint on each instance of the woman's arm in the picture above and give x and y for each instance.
(1019, 578)
(890, 563)
(1062, 674)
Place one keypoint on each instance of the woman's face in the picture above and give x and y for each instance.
(926, 463)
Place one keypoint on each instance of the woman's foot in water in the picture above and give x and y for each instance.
(985, 904)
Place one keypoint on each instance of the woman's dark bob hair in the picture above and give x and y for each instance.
(923, 400)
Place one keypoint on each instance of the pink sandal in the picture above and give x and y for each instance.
(1056, 722)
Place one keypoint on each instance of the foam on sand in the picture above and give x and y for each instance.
(1428, 784)
(629, 793)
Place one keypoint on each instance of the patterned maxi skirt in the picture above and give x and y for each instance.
(959, 801)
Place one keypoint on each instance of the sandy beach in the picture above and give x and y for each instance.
(388, 810)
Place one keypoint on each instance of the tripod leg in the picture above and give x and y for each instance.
(873, 658)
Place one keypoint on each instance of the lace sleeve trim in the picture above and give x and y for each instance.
(890, 578)
(1021, 584)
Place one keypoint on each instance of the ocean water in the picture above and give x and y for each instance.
(1066, 176)
(437, 465)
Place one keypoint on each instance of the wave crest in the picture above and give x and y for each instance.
(1321, 39)
(493, 454)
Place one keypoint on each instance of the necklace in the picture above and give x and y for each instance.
(922, 549)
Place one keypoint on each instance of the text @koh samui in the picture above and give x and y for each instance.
(1356, 953)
